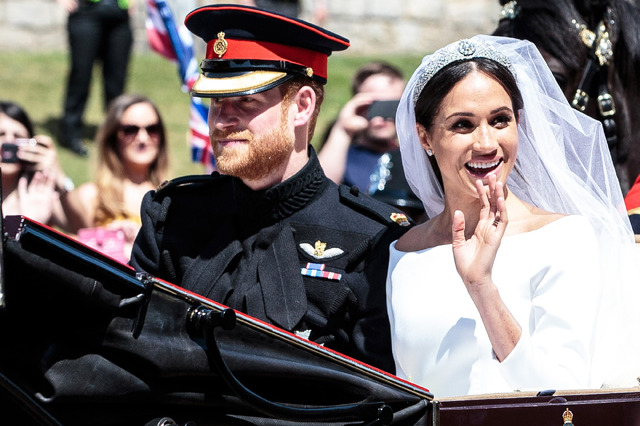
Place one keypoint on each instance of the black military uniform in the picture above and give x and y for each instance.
(305, 255)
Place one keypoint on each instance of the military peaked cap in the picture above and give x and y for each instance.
(250, 50)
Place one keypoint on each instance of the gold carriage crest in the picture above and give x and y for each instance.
(567, 416)
(221, 45)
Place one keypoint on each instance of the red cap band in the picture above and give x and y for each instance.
(262, 50)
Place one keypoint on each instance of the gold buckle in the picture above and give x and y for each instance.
(606, 105)
(580, 100)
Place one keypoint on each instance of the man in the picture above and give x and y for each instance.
(365, 128)
(272, 236)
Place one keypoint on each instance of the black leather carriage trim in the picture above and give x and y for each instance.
(204, 321)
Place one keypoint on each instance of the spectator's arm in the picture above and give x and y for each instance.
(350, 122)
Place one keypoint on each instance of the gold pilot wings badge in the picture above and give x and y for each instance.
(320, 251)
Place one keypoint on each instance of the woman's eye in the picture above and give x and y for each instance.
(462, 124)
(502, 120)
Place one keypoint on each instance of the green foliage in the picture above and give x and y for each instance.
(37, 82)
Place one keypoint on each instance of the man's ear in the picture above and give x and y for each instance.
(305, 101)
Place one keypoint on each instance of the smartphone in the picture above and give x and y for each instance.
(384, 109)
(9, 150)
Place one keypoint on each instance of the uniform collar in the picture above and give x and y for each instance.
(284, 199)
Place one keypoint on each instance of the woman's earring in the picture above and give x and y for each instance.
(429, 152)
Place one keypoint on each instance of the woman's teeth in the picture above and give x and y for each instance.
(483, 165)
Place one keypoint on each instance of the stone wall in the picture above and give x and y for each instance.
(388, 26)
(372, 26)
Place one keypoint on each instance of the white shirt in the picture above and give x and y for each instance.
(547, 278)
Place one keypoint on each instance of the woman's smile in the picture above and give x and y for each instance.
(480, 169)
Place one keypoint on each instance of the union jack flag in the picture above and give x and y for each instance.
(176, 44)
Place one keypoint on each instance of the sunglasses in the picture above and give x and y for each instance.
(130, 131)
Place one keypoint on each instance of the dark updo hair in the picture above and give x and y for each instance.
(430, 99)
(15, 112)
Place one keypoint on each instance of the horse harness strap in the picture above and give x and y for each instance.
(600, 54)
(606, 105)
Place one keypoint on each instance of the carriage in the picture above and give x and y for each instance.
(86, 340)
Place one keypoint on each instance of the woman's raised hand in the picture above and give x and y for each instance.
(474, 257)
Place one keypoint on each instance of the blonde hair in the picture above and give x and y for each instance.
(110, 171)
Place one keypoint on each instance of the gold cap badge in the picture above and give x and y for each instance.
(221, 45)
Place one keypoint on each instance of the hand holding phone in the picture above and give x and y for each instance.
(384, 109)
(9, 150)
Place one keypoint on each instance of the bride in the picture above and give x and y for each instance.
(519, 279)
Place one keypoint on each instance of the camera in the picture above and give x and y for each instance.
(9, 150)
(384, 109)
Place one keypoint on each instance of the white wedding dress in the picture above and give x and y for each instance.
(547, 278)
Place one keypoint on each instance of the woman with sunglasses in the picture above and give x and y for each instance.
(132, 159)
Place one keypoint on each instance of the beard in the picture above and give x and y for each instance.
(259, 156)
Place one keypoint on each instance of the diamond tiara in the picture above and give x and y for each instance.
(461, 50)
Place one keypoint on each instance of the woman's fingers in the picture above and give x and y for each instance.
(457, 229)
(500, 204)
(23, 183)
(40, 181)
(483, 196)
(39, 156)
(492, 202)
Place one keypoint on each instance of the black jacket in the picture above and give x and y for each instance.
(305, 255)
